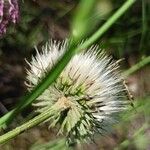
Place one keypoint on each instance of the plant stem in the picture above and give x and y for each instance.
(108, 24)
(126, 142)
(33, 122)
(144, 25)
(28, 99)
(56, 70)
(137, 66)
(59, 106)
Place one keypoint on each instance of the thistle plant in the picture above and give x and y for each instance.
(86, 97)
(78, 89)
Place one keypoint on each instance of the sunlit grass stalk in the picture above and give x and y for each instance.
(107, 25)
(144, 24)
(137, 66)
(126, 142)
(33, 122)
(56, 70)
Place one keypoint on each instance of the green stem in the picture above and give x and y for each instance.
(54, 73)
(144, 24)
(28, 99)
(33, 122)
(59, 106)
(126, 142)
(108, 24)
(137, 66)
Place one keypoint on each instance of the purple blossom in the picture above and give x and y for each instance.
(13, 11)
(1, 9)
(3, 25)
(9, 12)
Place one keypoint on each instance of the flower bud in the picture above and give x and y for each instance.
(86, 97)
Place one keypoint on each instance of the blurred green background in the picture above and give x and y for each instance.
(128, 38)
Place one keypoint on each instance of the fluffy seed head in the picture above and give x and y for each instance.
(87, 95)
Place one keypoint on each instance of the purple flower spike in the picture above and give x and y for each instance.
(1, 9)
(9, 12)
(3, 26)
(13, 11)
